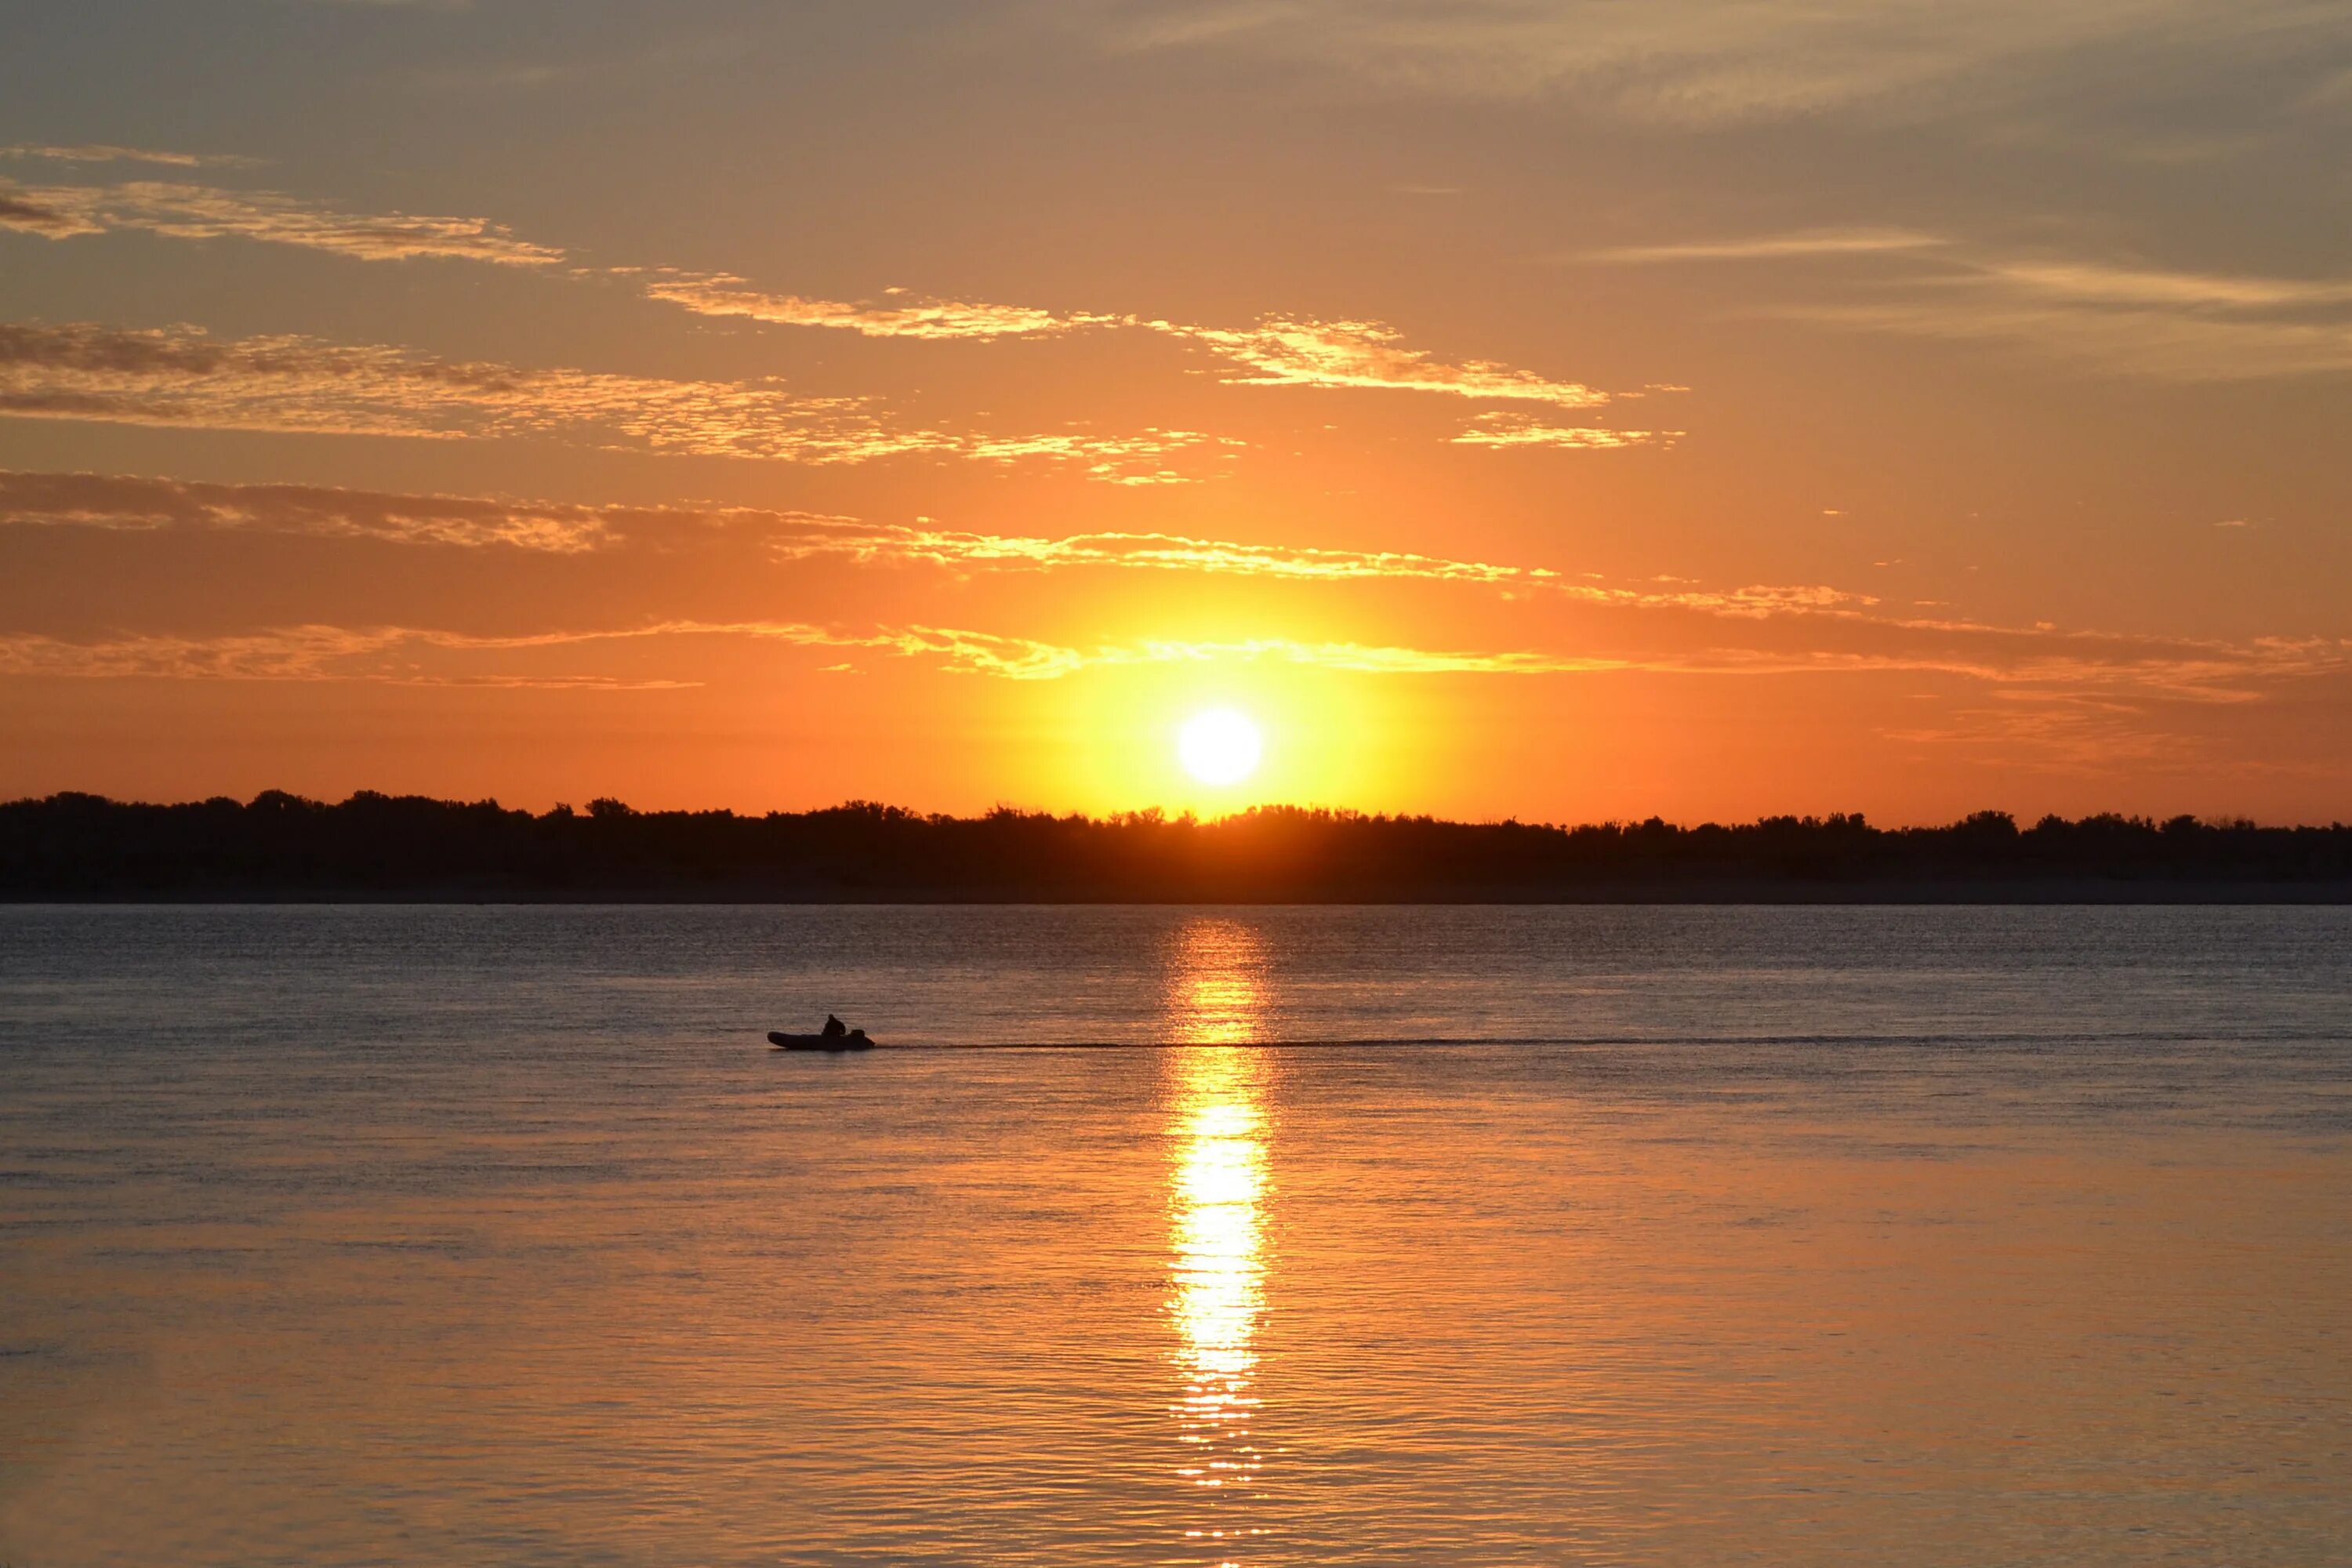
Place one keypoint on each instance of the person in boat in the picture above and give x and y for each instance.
(834, 1030)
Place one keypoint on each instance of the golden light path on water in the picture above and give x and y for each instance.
(1216, 1227)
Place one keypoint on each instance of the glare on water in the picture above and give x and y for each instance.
(1216, 990)
(1216, 1230)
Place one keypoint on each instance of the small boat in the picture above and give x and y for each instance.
(854, 1041)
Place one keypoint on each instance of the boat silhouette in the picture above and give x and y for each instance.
(835, 1036)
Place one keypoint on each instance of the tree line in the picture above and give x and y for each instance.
(373, 846)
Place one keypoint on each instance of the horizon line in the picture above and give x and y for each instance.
(606, 807)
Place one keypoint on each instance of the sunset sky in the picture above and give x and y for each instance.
(1567, 409)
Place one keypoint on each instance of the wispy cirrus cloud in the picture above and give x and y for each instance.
(2091, 707)
(899, 315)
(2165, 325)
(2134, 287)
(393, 653)
(2209, 672)
(962, 551)
(1360, 658)
(2123, 674)
(183, 376)
(1286, 351)
(1863, 241)
(106, 153)
(390, 654)
(182, 211)
(1716, 62)
(1521, 430)
(2128, 318)
(1142, 459)
(1278, 351)
(125, 503)
(378, 655)
(1751, 631)
(128, 504)
(2162, 345)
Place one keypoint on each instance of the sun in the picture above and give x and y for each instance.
(1220, 746)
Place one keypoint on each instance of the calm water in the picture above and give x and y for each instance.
(1587, 1235)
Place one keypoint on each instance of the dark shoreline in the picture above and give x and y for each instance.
(2079, 895)
(374, 849)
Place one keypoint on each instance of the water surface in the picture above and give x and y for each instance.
(1514, 1236)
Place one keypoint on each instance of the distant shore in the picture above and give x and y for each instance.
(281, 849)
(2097, 894)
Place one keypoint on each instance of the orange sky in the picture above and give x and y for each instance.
(1550, 407)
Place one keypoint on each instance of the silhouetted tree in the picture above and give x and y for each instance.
(378, 846)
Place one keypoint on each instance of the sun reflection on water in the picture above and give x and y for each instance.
(1217, 1295)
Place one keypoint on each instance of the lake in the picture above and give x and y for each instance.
(1514, 1236)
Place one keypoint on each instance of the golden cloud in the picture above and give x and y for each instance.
(1285, 351)
(723, 294)
(119, 503)
(1498, 431)
(269, 217)
(383, 654)
(1278, 351)
(127, 503)
(2122, 673)
(183, 376)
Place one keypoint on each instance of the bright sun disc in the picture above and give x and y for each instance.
(1219, 747)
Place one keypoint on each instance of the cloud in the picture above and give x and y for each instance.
(33, 212)
(1798, 630)
(181, 376)
(390, 653)
(1810, 242)
(94, 501)
(102, 152)
(2125, 318)
(1278, 351)
(1519, 430)
(1817, 629)
(1360, 658)
(723, 294)
(2123, 675)
(2100, 283)
(1287, 350)
(1756, 601)
(1131, 460)
(137, 504)
(124, 503)
(1720, 62)
(1144, 551)
(306, 653)
(206, 212)
(2178, 345)
(2213, 674)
